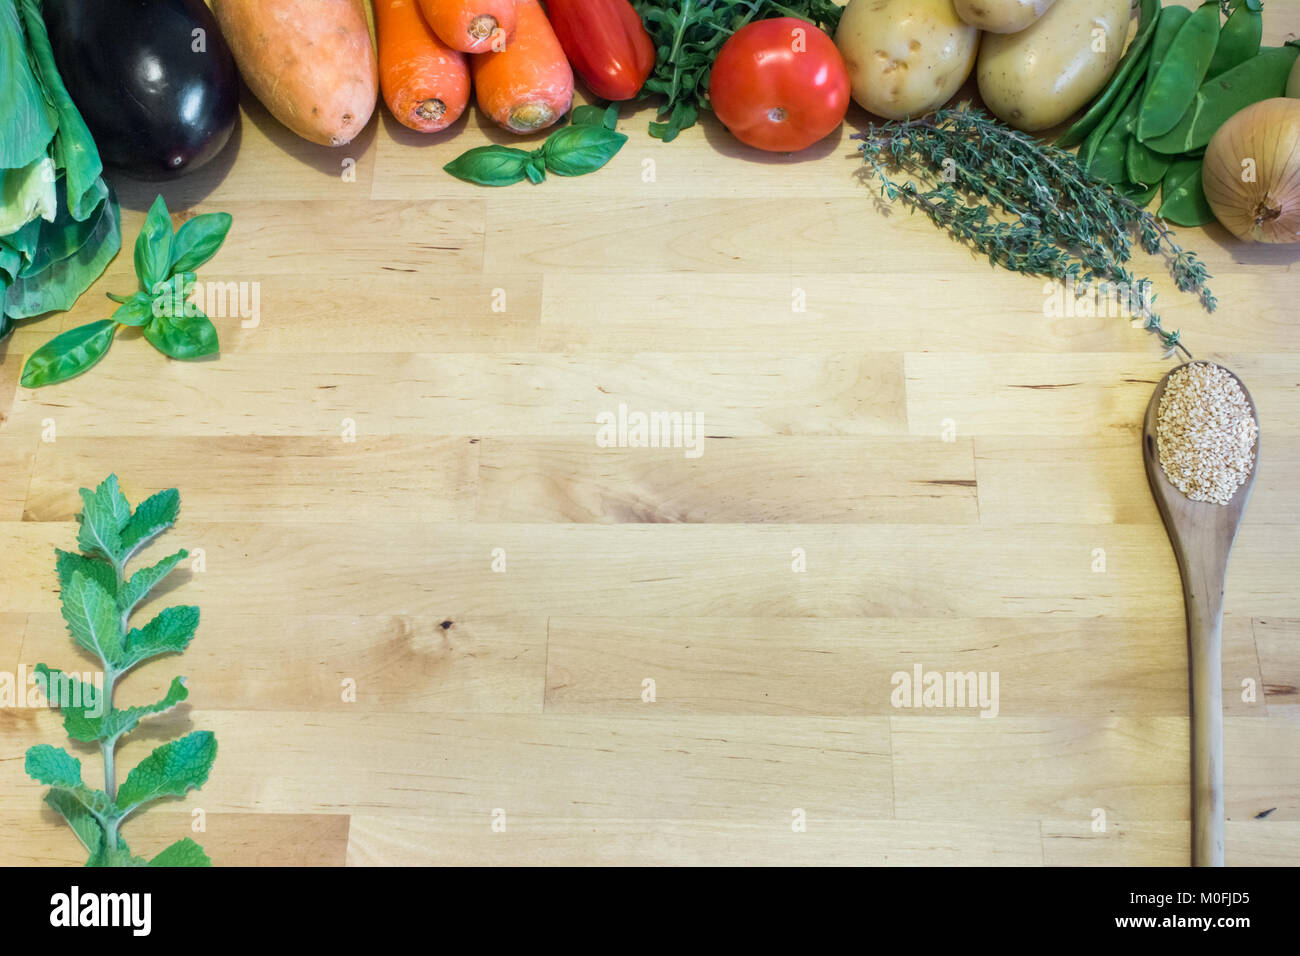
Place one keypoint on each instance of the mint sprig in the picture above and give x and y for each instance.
(98, 597)
(584, 147)
(165, 264)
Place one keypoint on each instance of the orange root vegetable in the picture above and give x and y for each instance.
(471, 26)
(310, 62)
(528, 85)
(424, 81)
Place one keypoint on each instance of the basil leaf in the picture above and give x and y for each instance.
(198, 240)
(536, 168)
(68, 354)
(490, 166)
(153, 247)
(576, 150)
(136, 310)
(183, 336)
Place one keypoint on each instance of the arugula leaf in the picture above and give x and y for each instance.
(93, 618)
(168, 633)
(182, 853)
(54, 767)
(100, 571)
(606, 116)
(172, 770)
(143, 581)
(155, 515)
(184, 337)
(198, 240)
(490, 165)
(153, 247)
(68, 354)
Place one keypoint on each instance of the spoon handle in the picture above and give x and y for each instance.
(1203, 594)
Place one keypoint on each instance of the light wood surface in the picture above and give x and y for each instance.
(1027, 546)
(1202, 535)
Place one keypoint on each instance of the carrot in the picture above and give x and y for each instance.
(424, 81)
(528, 85)
(471, 26)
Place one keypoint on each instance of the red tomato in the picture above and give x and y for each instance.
(780, 85)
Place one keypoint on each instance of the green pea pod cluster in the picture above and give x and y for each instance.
(1184, 75)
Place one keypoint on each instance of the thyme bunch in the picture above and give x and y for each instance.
(1026, 205)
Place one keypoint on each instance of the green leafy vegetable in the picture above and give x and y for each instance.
(575, 150)
(165, 261)
(97, 598)
(688, 34)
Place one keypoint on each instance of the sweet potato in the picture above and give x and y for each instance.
(310, 62)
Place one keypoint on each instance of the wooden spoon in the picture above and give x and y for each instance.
(1201, 534)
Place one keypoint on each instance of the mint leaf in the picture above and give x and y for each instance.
(54, 767)
(143, 581)
(172, 770)
(577, 150)
(154, 515)
(78, 700)
(104, 515)
(153, 247)
(100, 571)
(182, 853)
(183, 337)
(83, 822)
(168, 633)
(68, 354)
(490, 166)
(93, 618)
(198, 241)
(119, 722)
(118, 857)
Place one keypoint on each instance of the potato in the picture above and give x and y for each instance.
(310, 62)
(905, 57)
(1040, 76)
(1001, 16)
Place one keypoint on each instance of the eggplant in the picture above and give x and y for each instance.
(159, 97)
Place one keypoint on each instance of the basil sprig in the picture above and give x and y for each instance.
(165, 264)
(575, 150)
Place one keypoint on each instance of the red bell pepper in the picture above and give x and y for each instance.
(607, 44)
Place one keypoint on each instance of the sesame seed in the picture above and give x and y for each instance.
(1206, 433)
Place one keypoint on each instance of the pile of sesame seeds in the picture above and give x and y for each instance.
(1206, 433)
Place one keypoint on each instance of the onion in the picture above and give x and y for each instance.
(1252, 172)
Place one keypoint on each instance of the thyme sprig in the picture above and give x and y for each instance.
(1026, 205)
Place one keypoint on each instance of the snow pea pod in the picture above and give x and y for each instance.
(1108, 162)
(1132, 62)
(1239, 39)
(1183, 199)
(1179, 76)
(1171, 21)
(1260, 78)
(1126, 96)
(1144, 165)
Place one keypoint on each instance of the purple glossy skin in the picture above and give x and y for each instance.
(156, 108)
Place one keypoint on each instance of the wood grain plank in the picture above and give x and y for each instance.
(425, 841)
(1278, 643)
(392, 664)
(1158, 843)
(714, 769)
(17, 460)
(795, 479)
(1123, 667)
(276, 478)
(1074, 394)
(470, 394)
(42, 838)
